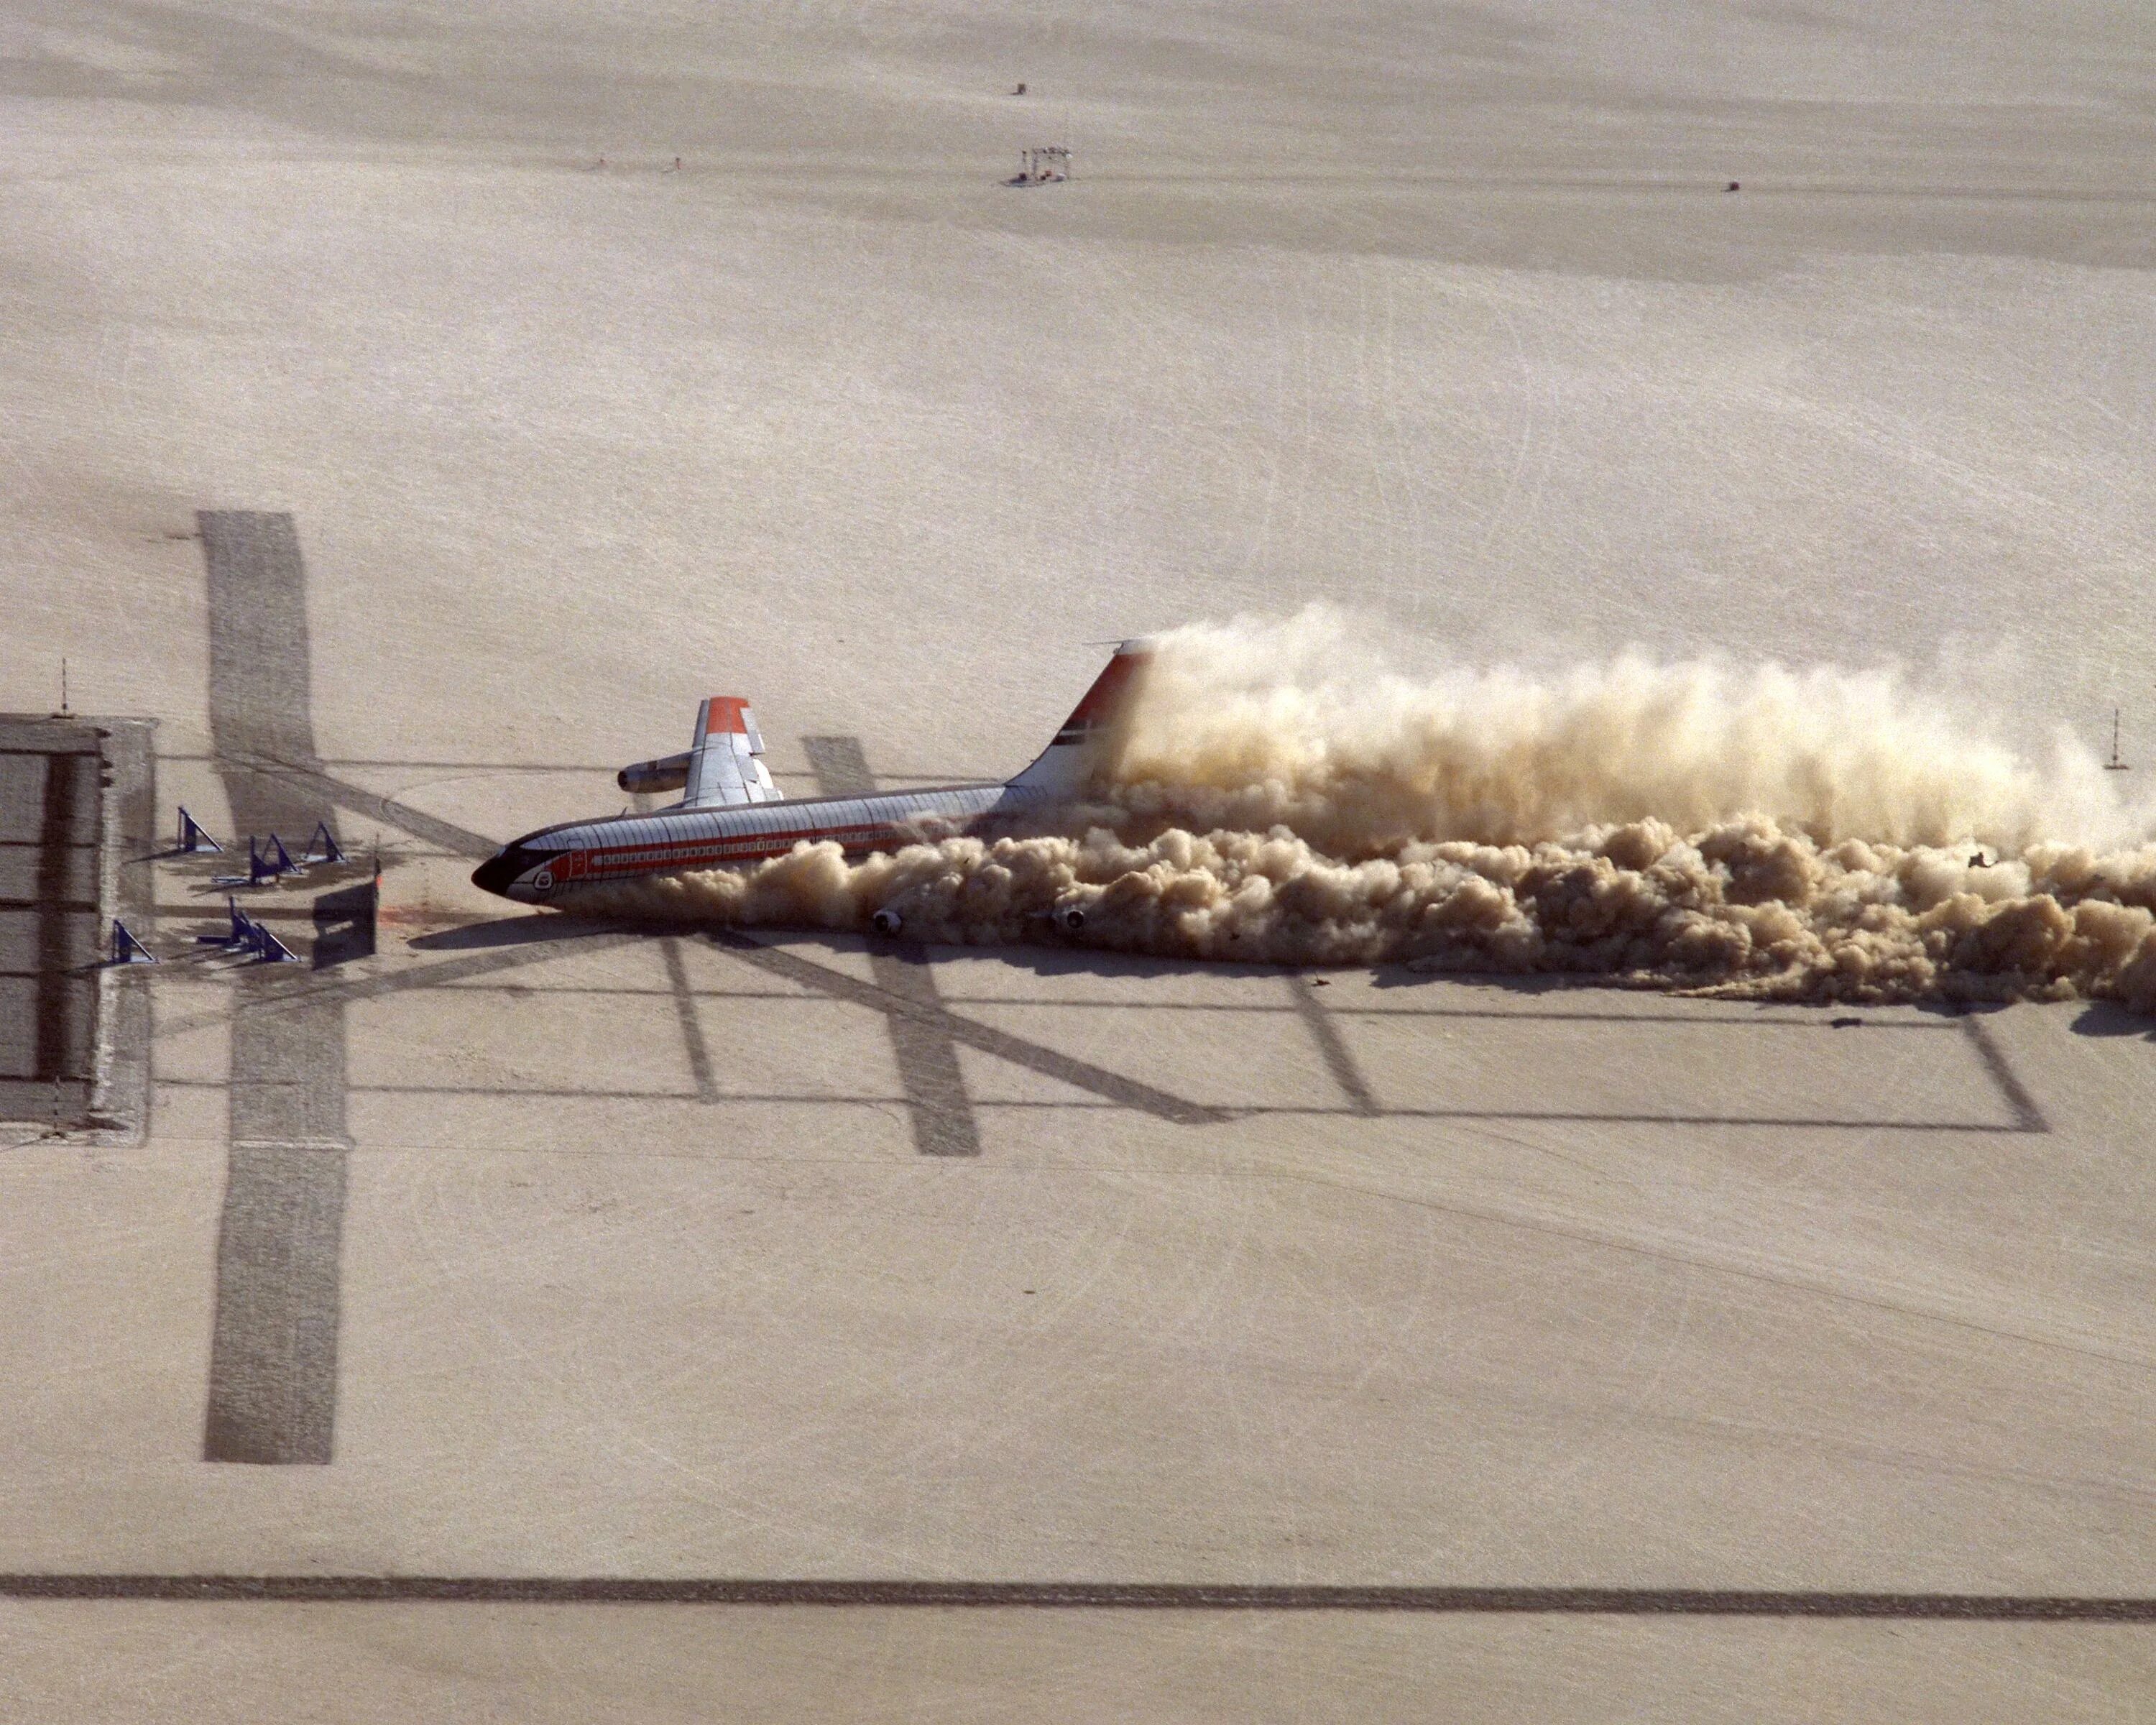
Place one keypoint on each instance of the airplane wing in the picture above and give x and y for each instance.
(723, 763)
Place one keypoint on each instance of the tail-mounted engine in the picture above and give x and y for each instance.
(670, 774)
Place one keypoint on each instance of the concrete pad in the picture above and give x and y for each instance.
(70, 870)
(28, 937)
(1689, 1064)
(549, 1041)
(221, 1663)
(224, 1663)
(635, 1127)
(116, 1343)
(1226, 1059)
(200, 1055)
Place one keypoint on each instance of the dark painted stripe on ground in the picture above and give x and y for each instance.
(273, 1358)
(686, 1013)
(944, 1123)
(272, 1395)
(2028, 1116)
(692, 1029)
(928, 1072)
(1338, 1060)
(259, 675)
(1086, 1595)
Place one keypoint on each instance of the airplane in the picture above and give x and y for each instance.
(732, 816)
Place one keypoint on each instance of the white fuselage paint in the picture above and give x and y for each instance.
(740, 824)
(668, 841)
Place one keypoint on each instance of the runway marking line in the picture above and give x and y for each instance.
(1085, 1595)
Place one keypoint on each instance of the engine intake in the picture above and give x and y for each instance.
(887, 922)
(668, 774)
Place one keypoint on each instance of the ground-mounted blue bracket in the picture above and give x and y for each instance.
(242, 933)
(192, 839)
(269, 949)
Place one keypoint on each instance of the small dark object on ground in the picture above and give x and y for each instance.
(1020, 90)
(1847, 1024)
(1734, 186)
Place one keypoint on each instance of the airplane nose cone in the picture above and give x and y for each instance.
(496, 872)
(513, 863)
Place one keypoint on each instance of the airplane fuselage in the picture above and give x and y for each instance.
(537, 867)
(733, 817)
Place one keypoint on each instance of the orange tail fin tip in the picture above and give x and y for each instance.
(1067, 763)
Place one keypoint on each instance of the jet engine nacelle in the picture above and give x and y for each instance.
(887, 922)
(1070, 918)
(670, 774)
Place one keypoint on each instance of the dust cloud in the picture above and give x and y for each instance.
(1278, 793)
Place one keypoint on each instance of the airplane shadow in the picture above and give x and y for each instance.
(1045, 960)
(526, 931)
(1049, 961)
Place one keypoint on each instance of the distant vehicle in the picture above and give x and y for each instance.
(733, 816)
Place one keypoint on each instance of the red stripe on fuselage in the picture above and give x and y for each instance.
(674, 854)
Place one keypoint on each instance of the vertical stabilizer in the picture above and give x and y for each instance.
(1095, 728)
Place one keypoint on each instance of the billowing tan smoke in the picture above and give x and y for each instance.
(1278, 798)
(1302, 723)
(1743, 908)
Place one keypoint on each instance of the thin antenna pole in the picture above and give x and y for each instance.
(64, 704)
(2115, 764)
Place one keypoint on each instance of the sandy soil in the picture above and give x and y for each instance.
(1444, 317)
(1441, 314)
